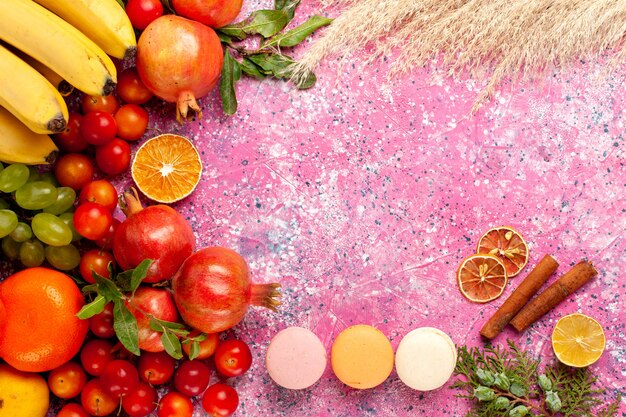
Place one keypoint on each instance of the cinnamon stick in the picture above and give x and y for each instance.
(516, 301)
(572, 280)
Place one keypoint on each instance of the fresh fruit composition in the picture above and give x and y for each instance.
(113, 310)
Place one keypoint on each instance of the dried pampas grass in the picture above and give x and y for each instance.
(507, 38)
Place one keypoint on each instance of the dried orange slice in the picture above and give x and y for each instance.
(481, 278)
(578, 340)
(167, 168)
(507, 244)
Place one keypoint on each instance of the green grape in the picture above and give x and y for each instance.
(33, 174)
(49, 178)
(65, 200)
(32, 253)
(22, 232)
(51, 230)
(68, 219)
(11, 248)
(36, 195)
(8, 222)
(4, 204)
(13, 177)
(64, 258)
(1, 167)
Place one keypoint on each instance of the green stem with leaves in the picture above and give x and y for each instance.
(119, 290)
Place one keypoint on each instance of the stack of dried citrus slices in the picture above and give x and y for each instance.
(501, 254)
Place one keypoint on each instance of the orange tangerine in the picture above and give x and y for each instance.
(42, 331)
(167, 168)
(578, 340)
(507, 244)
(482, 278)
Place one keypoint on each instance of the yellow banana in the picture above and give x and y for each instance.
(55, 79)
(58, 45)
(22, 145)
(103, 21)
(29, 96)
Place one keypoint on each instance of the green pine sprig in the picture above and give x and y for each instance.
(119, 290)
(507, 381)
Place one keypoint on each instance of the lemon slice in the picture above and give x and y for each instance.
(578, 340)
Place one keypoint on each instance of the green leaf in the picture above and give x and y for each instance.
(163, 325)
(172, 345)
(233, 31)
(93, 308)
(251, 69)
(288, 6)
(122, 280)
(231, 72)
(139, 273)
(125, 326)
(266, 23)
(89, 288)
(194, 349)
(224, 38)
(107, 288)
(129, 280)
(298, 34)
(277, 65)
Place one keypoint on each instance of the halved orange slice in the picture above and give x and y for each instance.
(482, 278)
(507, 244)
(167, 168)
(578, 340)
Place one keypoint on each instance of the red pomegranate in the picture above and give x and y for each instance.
(212, 290)
(156, 232)
(157, 302)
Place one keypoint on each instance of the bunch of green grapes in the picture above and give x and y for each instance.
(36, 219)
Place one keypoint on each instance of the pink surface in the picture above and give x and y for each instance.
(362, 205)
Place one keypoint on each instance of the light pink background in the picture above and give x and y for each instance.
(362, 205)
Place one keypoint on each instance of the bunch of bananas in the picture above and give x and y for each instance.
(48, 47)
